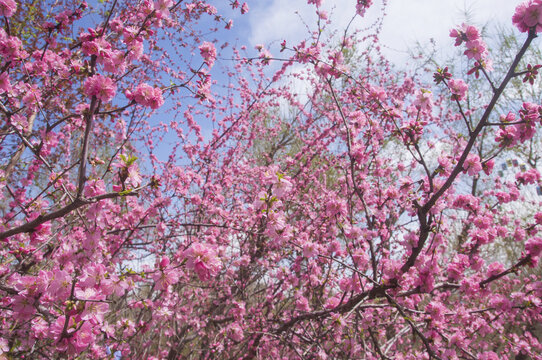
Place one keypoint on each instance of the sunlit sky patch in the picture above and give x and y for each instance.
(406, 22)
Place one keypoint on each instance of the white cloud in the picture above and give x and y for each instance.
(406, 22)
(272, 21)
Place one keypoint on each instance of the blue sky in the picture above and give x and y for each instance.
(270, 21)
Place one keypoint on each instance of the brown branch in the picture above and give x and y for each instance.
(425, 223)
(76, 204)
(524, 261)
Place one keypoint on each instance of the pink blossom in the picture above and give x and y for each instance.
(436, 310)
(507, 136)
(362, 6)
(203, 260)
(94, 311)
(488, 166)
(99, 47)
(458, 266)
(302, 304)
(23, 307)
(310, 249)
(4, 346)
(56, 328)
(83, 337)
(162, 8)
(235, 332)
(530, 176)
(530, 112)
(533, 246)
(208, 52)
(467, 202)
(464, 33)
(103, 88)
(244, 8)
(472, 164)
(282, 188)
(528, 15)
(32, 96)
(11, 47)
(5, 85)
(89, 294)
(164, 278)
(147, 95)
(458, 88)
(265, 55)
(424, 100)
(7, 7)
(60, 285)
(494, 269)
(525, 131)
(476, 49)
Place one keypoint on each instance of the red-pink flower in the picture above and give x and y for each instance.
(7, 7)
(464, 33)
(534, 246)
(476, 49)
(5, 85)
(472, 164)
(424, 100)
(83, 337)
(362, 6)
(101, 87)
(23, 307)
(60, 285)
(208, 53)
(147, 95)
(165, 277)
(507, 136)
(458, 88)
(235, 332)
(94, 311)
(528, 15)
(528, 177)
(244, 8)
(203, 260)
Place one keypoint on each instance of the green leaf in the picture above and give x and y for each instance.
(125, 192)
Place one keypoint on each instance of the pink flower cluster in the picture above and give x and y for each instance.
(112, 60)
(165, 275)
(534, 246)
(146, 95)
(11, 47)
(524, 129)
(362, 6)
(203, 260)
(101, 87)
(472, 164)
(476, 47)
(458, 88)
(530, 176)
(465, 33)
(208, 53)
(424, 100)
(7, 7)
(528, 15)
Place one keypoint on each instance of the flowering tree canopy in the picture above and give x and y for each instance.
(153, 208)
